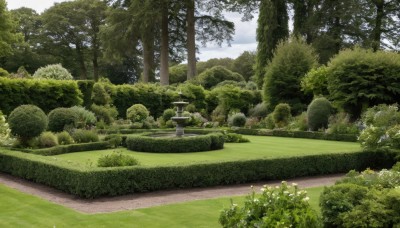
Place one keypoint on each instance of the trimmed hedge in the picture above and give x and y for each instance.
(95, 182)
(146, 143)
(297, 134)
(46, 94)
(71, 148)
(86, 87)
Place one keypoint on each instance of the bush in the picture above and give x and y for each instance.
(84, 117)
(259, 111)
(235, 138)
(237, 120)
(116, 159)
(55, 71)
(27, 121)
(340, 124)
(318, 113)
(283, 206)
(211, 77)
(100, 95)
(5, 131)
(59, 118)
(64, 138)
(137, 113)
(299, 123)
(47, 139)
(86, 87)
(4, 73)
(178, 74)
(71, 148)
(281, 115)
(84, 136)
(114, 140)
(315, 82)
(107, 114)
(168, 114)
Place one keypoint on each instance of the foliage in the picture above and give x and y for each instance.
(318, 113)
(4, 73)
(269, 121)
(178, 73)
(84, 136)
(194, 94)
(292, 60)
(5, 131)
(315, 82)
(283, 206)
(259, 111)
(100, 96)
(64, 138)
(168, 114)
(27, 121)
(299, 123)
(244, 64)
(211, 77)
(235, 138)
(340, 124)
(86, 87)
(8, 37)
(281, 115)
(116, 159)
(107, 114)
(359, 78)
(115, 140)
(55, 71)
(59, 118)
(84, 117)
(46, 94)
(70, 148)
(47, 139)
(137, 113)
(175, 144)
(237, 119)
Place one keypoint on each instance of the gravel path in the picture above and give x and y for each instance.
(151, 199)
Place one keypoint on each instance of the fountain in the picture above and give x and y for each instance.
(179, 119)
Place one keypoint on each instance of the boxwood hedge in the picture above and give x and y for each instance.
(94, 182)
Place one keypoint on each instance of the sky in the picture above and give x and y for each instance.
(243, 40)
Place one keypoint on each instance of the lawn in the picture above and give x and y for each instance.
(259, 147)
(22, 210)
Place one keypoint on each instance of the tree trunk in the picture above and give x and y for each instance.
(377, 33)
(191, 40)
(164, 74)
(81, 60)
(95, 59)
(148, 58)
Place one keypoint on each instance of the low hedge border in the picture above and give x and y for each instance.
(64, 149)
(95, 182)
(137, 131)
(297, 134)
(146, 143)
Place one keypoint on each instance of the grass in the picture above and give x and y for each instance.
(22, 210)
(259, 147)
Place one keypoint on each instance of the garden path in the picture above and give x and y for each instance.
(151, 199)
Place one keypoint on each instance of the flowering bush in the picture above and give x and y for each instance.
(55, 71)
(5, 132)
(282, 206)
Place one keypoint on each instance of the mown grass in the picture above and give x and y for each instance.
(259, 147)
(22, 210)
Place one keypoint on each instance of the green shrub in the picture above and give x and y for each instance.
(259, 111)
(283, 206)
(341, 124)
(237, 120)
(4, 73)
(84, 117)
(318, 113)
(86, 87)
(211, 77)
(114, 140)
(55, 71)
(27, 121)
(64, 138)
(100, 95)
(269, 121)
(84, 136)
(71, 148)
(315, 82)
(168, 114)
(178, 74)
(194, 94)
(107, 114)
(281, 115)
(299, 123)
(235, 138)
(59, 118)
(116, 159)
(5, 131)
(137, 113)
(47, 139)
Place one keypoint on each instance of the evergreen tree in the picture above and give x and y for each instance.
(8, 35)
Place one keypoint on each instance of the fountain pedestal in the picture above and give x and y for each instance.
(179, 119)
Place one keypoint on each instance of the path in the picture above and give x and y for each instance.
(151, 199)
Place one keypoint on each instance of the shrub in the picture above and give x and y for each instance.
(84, 117)
(84, 136)
(194, 94)
(281, 115)
(59, 118)
(27, 121)
(259, 111)
(315, 82)
(64, 138)
(178, 74)
(235, 138)
(47, 139)
(55, 71)
(234, 98)
(114, 140)
(283, 206)
(5, 131)
(100, 95)
(237, 120)
(86, 87)
(71, 148)
(299, 123)
(211, 77)
(168, 114)
(107, 114)
(318, 113)
(269, 121)
(137, 113)
(116, 159)
(340, 124)
(4, 73)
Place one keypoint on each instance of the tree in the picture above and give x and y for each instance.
(292, 60)
(8, 35)
(244, 64)
(271, 29)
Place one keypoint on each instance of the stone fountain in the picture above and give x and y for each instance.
(179, 119)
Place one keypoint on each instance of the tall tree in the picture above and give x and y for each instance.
(272, 28)
(8, 35)
(164, 60)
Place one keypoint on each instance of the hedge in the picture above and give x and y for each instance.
(95, 182)
(86, 87)
(71, 148)
(297, 134)
(146, 143)
(46, 94)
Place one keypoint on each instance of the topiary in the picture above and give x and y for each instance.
(237, 120)
(318, 113)
(84, 117)
(116, 159)
(55, 71)
(27, 121)
(137, 113)
(47, 139)
(100, 95)
(281, 115)
(61, 117)
(64, 138)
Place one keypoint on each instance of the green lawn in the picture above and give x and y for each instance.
(22, 210)
(259, 147)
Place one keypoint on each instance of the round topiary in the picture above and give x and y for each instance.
(237, 120)
(47, 139)
(168, 114)
(61, 117)
(55, 71)
(27, 121)
(318, 113)
(137, 113)
(281, 115)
